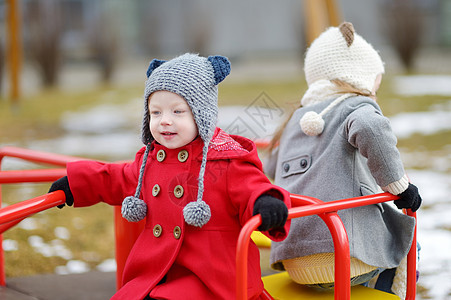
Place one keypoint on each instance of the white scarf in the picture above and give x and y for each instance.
(312, 123)
(319, 91)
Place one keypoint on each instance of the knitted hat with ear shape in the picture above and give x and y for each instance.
(194, 78)
(339, 54)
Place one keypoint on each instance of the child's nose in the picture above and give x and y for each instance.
(166, 119)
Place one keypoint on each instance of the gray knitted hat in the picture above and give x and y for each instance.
(194, 78)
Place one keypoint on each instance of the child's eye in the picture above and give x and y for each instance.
(178, 111)
(155, 113)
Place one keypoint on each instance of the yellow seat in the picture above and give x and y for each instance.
(260, 239)
(280, 286)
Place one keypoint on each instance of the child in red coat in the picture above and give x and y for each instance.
(195, 185)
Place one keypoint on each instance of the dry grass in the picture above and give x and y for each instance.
(90, 239)
(39, 115)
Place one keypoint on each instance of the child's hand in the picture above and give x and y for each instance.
(63, 184)
(273, 211)
(410, 198)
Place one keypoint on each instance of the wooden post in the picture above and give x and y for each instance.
(319, 14)
(333, 12)
(14, 48)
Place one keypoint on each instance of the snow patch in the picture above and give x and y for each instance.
(419, 85)
(108, 265)
(73, 267)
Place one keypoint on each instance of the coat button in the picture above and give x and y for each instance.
(177, 232)
(286, 167)
(178, 191)
(155, 190)
(157, 230)
(183, 156)
(303, 163)
(161, 155)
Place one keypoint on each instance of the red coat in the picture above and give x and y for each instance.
(170, 259)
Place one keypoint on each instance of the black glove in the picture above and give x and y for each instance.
(273, 211)
(410, 198)
(63, 185)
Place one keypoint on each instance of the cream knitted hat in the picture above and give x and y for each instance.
(338, 54)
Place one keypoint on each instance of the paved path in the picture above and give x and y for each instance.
(86, 286)
(93, 285)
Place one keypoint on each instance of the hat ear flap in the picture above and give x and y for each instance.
(221, 67)
(155, 63)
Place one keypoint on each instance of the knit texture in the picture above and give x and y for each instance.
(399, 285)
(134, 209)
(397, 187)
(194, 78)
(272, 210)
(337, 54)
(318, 92)
(330, 57)
(410, 198)
(312, 123)
(320, 268)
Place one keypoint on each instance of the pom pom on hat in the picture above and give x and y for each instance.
(133, 209)
(312, 123)
(197, 213)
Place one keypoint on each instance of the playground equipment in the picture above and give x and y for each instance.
(126, 232)
(278, 285)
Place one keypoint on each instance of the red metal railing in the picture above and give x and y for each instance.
(126, 233)
(306, 206)
(27, 176)
(13, 214)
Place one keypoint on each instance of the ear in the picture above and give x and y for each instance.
(155, 63)
(347, 30)
(221, 67)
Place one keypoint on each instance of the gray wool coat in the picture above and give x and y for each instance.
(354, 156)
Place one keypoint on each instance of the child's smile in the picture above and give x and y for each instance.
(168, 135)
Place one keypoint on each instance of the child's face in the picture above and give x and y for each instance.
(171, 120)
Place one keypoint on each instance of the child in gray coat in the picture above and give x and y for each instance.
(339, 145)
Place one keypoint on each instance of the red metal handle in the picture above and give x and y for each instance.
(412, 263)
(13, 214)
(23, 209)
(242, 250)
